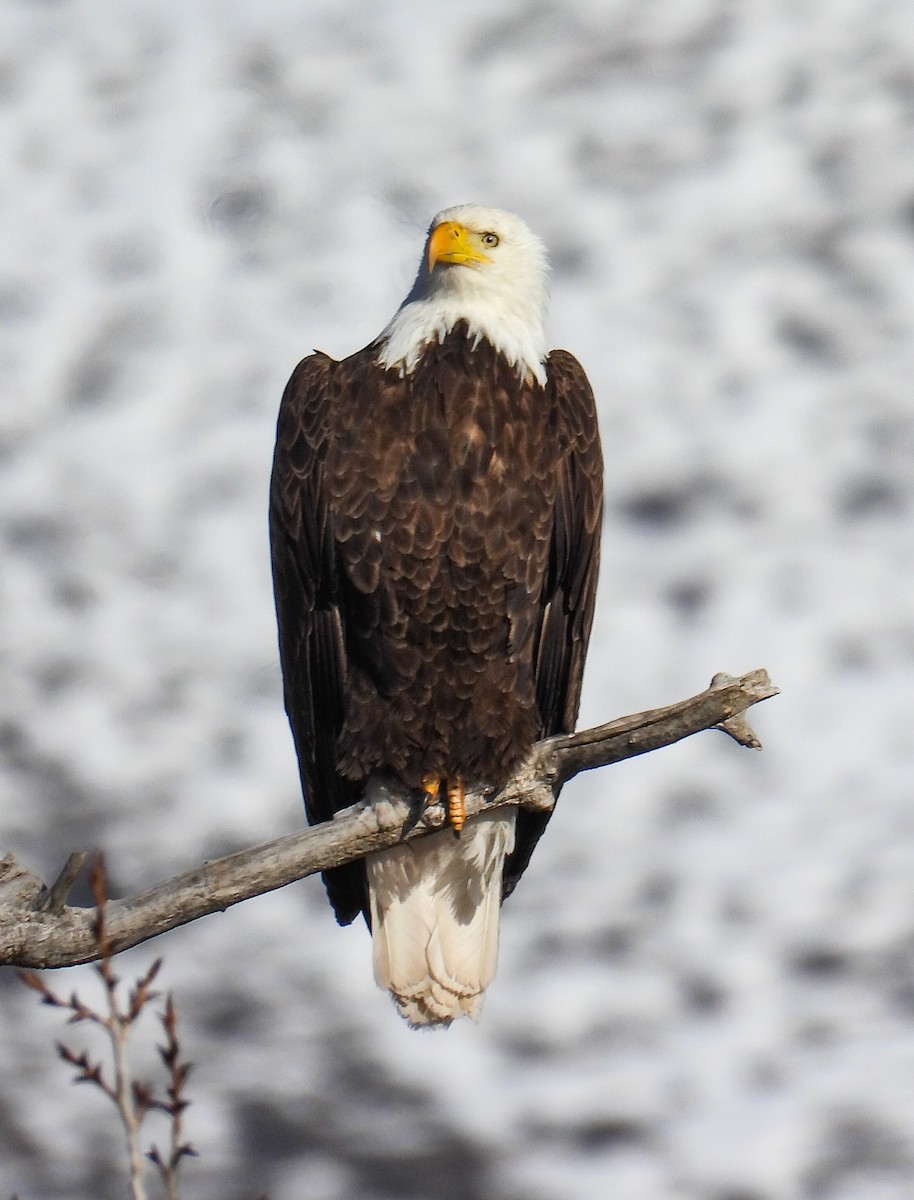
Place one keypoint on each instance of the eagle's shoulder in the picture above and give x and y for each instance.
(302, 416)
(568, 381)
(578, 432)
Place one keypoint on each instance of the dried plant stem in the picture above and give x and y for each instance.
(174, 1106)
(119, 1025)
(132, 1100)
(126, 1109)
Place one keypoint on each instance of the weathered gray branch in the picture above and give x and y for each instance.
(37, 929)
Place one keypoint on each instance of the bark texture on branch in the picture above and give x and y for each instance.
(37, 928)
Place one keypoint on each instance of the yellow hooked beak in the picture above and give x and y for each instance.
(451, 242)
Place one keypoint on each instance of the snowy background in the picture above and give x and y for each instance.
(706, 989)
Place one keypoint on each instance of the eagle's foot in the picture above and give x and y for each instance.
(433, 814)
(455, 791)
(456, 806)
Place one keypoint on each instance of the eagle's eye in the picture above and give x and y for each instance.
(489, 239)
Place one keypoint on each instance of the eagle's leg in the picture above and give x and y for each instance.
(456, 808)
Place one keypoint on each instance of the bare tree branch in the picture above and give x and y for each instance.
(40, 932)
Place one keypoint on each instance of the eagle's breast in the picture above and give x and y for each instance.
(441, 510)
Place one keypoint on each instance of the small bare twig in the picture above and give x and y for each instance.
(48, 939)
(55, 897)
(132, 1099)
(174, 1106)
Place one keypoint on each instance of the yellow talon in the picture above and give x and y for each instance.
(431, 785)
(456, 809)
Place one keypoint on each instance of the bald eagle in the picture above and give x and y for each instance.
(435, 516)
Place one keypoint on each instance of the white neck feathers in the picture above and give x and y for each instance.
(501, 300)
(421, 322)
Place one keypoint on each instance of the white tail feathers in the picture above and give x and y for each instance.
(435, 905)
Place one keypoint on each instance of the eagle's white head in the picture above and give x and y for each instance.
(485, 267)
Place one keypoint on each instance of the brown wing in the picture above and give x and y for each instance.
(308, 611)
(565, 607)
